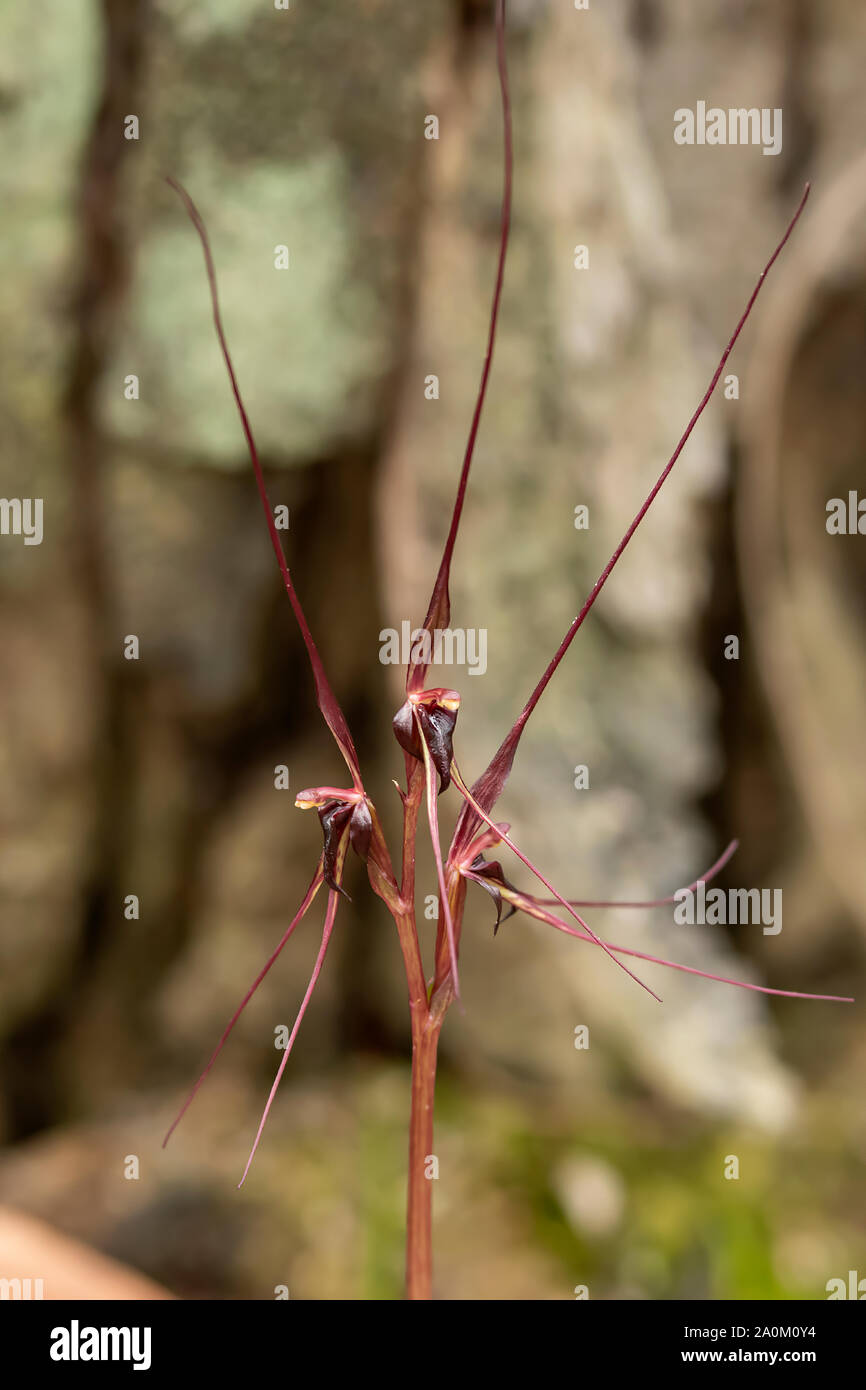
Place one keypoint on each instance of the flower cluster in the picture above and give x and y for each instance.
(425, 727)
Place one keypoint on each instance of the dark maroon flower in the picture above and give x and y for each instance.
(429, 717)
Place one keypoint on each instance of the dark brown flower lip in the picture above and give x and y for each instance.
(334, 818)
(489, 875)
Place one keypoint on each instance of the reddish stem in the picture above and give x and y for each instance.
(419, 1210)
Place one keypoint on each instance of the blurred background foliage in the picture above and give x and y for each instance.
(601, 1167)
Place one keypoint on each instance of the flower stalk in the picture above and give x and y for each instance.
(426, 1028)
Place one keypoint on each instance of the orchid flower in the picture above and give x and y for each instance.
(347, 815)
(424, 727)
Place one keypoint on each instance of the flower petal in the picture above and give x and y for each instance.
(489, 786)
(311, 892)
(325, 697)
